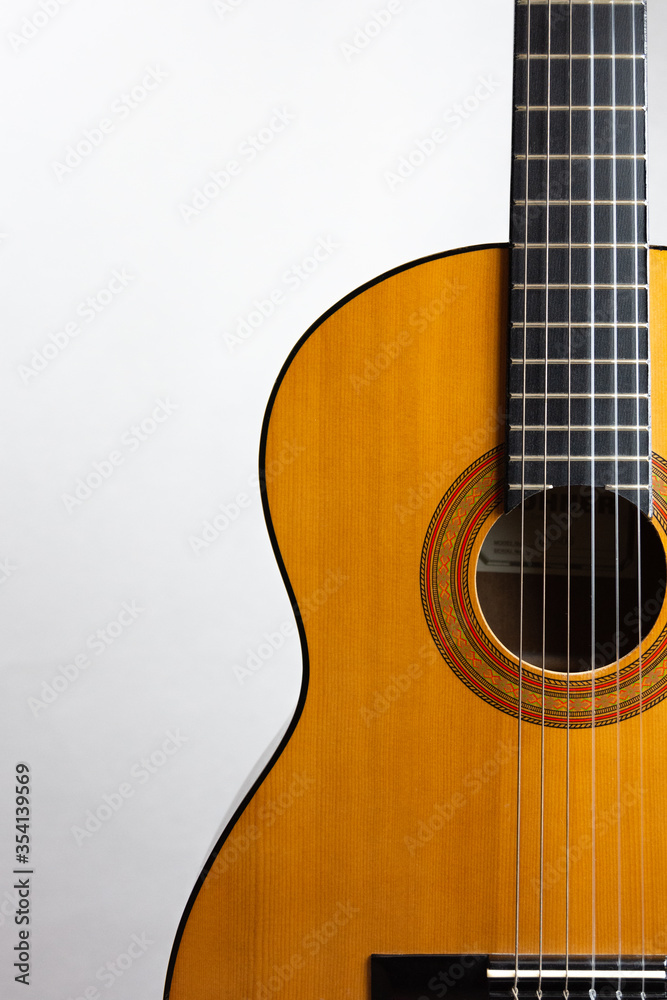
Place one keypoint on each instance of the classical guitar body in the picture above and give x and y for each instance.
(387, 824)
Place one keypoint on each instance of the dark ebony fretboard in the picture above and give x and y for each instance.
(579, 355)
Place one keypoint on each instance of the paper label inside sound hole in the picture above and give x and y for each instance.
(566, 537)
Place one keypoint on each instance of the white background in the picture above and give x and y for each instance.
(171, 334)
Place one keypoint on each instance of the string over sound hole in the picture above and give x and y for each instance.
(599, 573)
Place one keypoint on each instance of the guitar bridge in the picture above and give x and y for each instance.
(485, 977)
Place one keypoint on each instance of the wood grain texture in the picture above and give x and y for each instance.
(388, 822)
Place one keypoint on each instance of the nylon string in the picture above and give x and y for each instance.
(593, 518)
(566, 991)
(617, 569)
(517, 903)
(544, 497)
(638, 514)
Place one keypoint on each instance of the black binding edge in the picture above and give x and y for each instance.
(283, 572)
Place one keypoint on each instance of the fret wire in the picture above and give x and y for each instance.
(581, 325)
(559, 286)
(582, 361)
(580, 201)
(579, 246)
(582, 107)
(583, 3)
(578, 427)
(608, 486)
(598, 55)
(579, 395)
(579, 458)
(581, 156)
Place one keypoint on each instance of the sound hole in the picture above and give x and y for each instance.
(568, 539)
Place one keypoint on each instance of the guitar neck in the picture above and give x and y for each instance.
(578, 385)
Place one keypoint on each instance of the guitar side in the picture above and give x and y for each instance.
(387, 823)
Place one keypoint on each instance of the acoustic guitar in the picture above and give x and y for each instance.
(471, 798)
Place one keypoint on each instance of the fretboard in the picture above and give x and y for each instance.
(578, 377)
